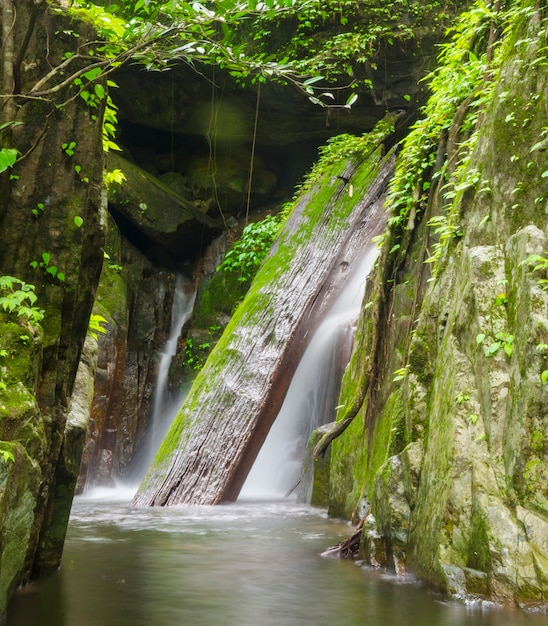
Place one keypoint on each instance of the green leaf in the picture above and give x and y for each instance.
(78, 220)
(479, 338)
(99, 91)
(8, 156)
(7, 456)
(544, 376)
(92, 74)
(493, 348)
(351, 99)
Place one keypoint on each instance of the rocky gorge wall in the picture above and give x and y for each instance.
(445, 457)
(54, 188)
(53, 214)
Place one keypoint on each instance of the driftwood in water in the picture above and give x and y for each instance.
(349, 548)
(222, 425)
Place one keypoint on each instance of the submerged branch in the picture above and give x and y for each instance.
(349, 548)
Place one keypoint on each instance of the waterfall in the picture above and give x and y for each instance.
(313, 392)
(166, 402)
(234, 400)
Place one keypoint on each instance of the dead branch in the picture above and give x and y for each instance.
(349, 548)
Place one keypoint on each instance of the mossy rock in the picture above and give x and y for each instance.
(20, 482)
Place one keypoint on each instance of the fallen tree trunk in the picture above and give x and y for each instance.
(222, 425)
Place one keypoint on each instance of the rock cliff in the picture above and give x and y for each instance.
(448, 442)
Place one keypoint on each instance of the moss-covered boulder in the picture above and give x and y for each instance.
(164, 220)
(52, 218)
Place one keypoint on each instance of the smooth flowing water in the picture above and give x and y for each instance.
(166, 403)
(243, 564)
(313, 393)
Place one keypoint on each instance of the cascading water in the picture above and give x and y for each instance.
(167, 402)
(313, 393)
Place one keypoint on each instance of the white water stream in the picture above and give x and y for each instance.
(312, 395)
(166, 403)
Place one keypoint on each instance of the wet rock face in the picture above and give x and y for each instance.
(456, 448)
(135, 298)
(51, 220)
(201, 138)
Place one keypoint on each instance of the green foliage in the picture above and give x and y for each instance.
(50, 270)
(501, 339)
(248, 252)
(339, 39)
(19, 297)
(90, 91)
(464, 78)
(95, 325)
(116, 176)
(194, 356)
(110, 121)
(538, 263)
(8, 156)
(342, 147)
(7, 455)
(39, 209)
(68, 148)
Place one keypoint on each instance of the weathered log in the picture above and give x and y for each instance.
(221, 426)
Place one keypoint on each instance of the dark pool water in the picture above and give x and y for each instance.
(240, 564)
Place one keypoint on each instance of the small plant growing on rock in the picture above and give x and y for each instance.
(249, 251)
(52, 270)
(538, 264)
(18, 297)
(95, 325)
(7, 456)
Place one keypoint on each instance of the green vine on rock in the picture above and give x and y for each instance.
(461, 86)
(48, 269)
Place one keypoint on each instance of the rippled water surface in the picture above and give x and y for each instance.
(242, 564)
